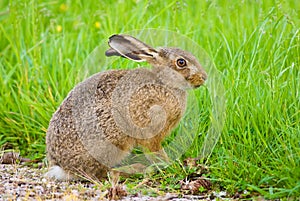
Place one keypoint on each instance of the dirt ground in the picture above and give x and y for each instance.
(20, 182)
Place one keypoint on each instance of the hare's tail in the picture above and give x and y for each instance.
(57, 173)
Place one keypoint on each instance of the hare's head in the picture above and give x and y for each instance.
(173, 66)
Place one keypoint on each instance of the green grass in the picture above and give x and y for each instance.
(254, 44)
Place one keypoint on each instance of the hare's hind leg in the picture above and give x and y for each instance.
(57, 173)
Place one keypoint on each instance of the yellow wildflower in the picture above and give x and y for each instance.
(63, 7)
(97, 25)
(58, 28)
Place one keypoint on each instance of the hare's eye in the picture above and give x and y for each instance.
(181, 62)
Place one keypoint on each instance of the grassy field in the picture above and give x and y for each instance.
(254, 44)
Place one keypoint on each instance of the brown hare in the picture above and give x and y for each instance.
(104, 117)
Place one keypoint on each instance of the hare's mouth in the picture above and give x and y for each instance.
(197, 86)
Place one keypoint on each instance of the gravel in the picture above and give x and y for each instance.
(27, 183)
(19, 182)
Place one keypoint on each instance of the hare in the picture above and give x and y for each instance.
(104, 117)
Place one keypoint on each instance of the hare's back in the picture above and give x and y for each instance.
(82, 104)
(76, 122)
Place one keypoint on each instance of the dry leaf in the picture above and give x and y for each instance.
(194, 186)
(117, 192)
(9, 157)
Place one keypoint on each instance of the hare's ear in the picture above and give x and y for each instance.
(131, 48)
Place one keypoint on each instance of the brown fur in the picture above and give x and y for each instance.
(94, 129)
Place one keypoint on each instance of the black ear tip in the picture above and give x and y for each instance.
(108, 53)
(112, 36)
(111, 52)
(115, 37)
